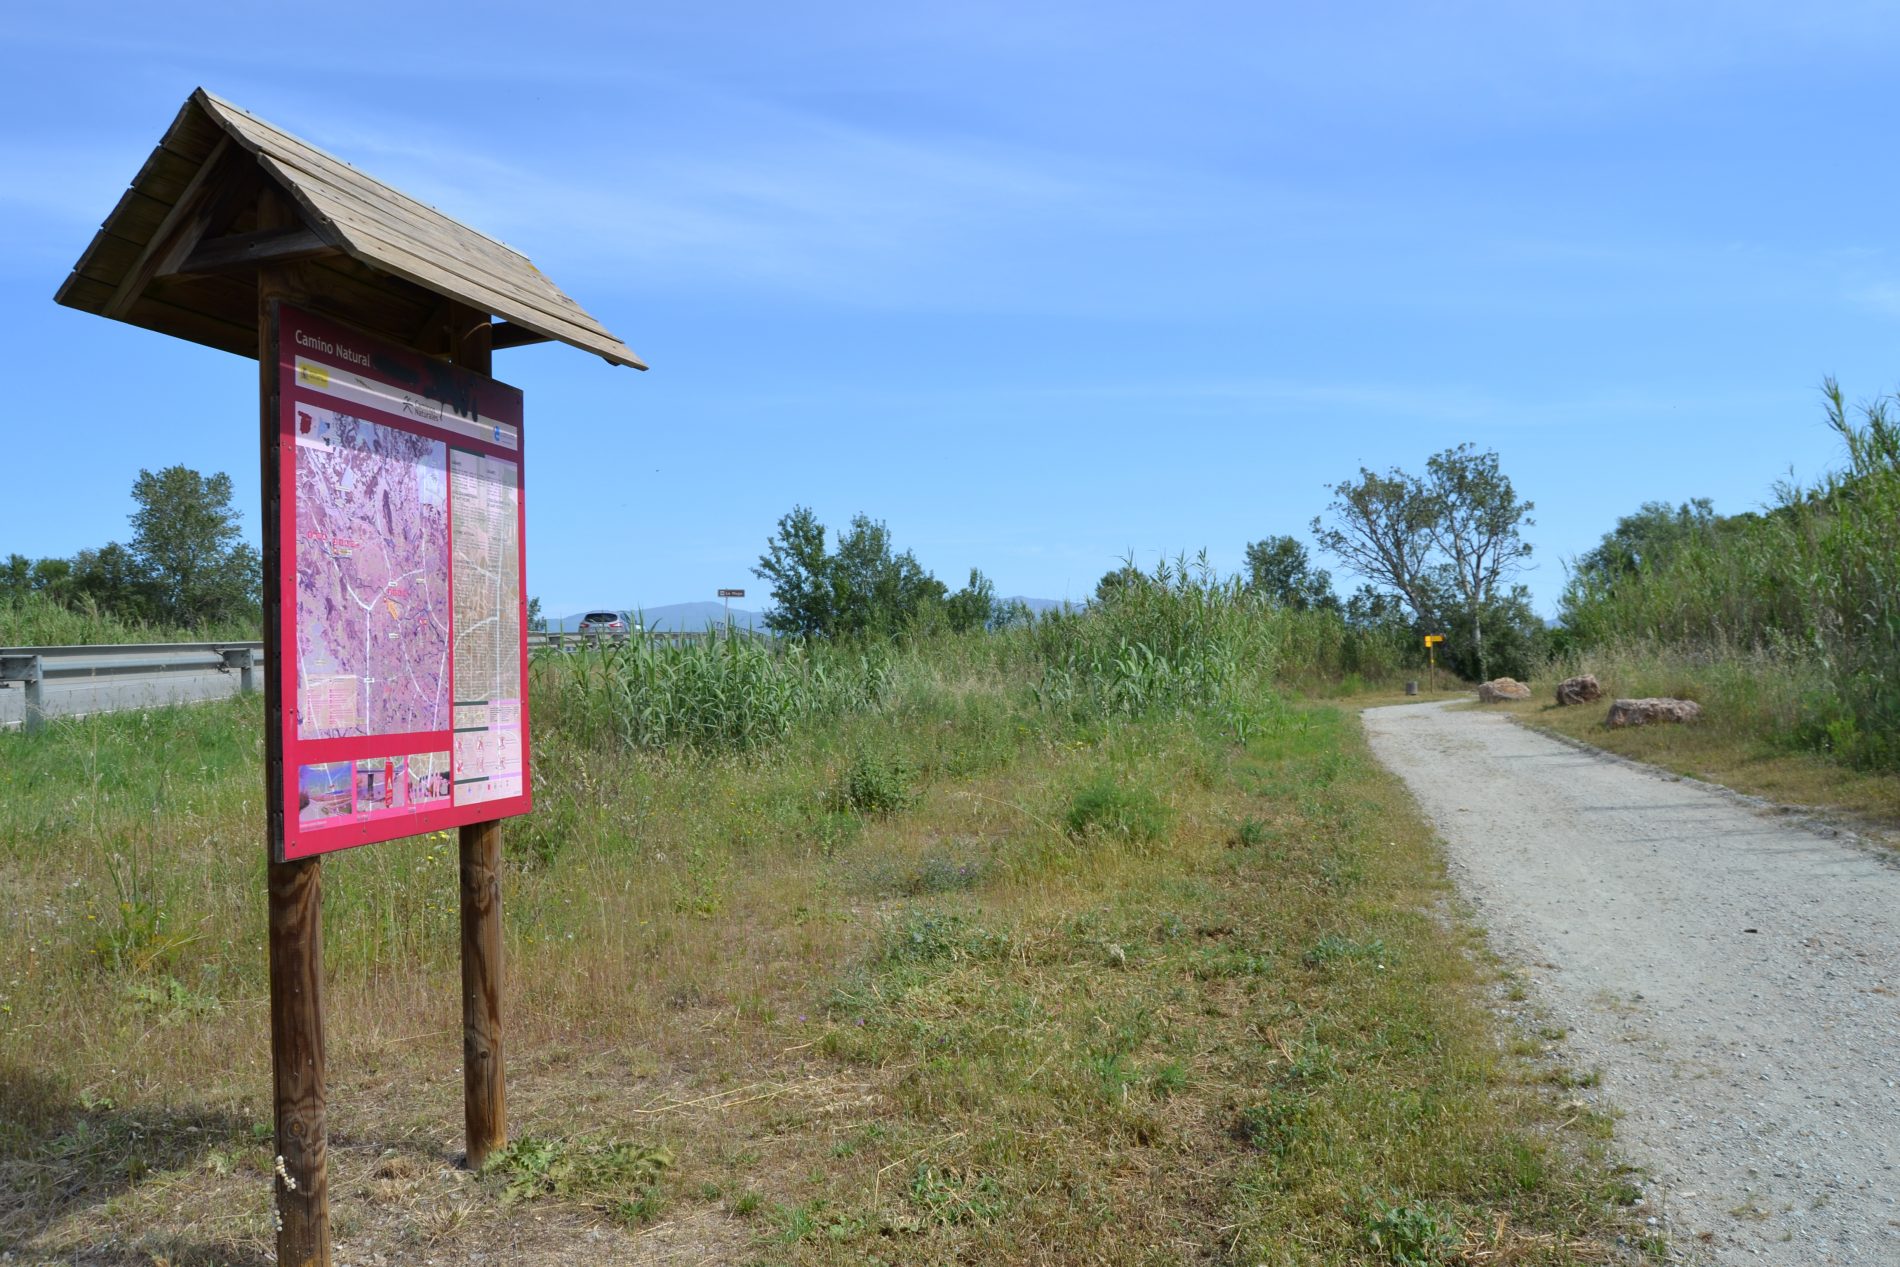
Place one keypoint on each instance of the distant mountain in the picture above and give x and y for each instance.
(674, 618)
(1038, 605)
(695, 617)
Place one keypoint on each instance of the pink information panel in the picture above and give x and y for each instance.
(403, 628)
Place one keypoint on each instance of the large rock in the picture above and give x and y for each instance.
(1500, 689)
(1582, 689)
(1642, 712)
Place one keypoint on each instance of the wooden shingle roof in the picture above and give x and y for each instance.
(179, 252)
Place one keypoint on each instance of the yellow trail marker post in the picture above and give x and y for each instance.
(1431, 654)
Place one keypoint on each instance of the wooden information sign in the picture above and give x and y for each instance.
(393, 531)
(401, 611)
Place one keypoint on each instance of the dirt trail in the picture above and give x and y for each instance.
(1734, 976)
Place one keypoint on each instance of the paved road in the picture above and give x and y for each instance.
(69, 697)
(1734, 976)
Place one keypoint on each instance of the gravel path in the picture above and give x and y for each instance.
(1734, 976)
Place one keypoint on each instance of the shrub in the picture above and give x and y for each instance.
(1274, 1125)
(874, 784)
(1808, 590)
(935, 937)
(621, 1178)
(1104, 807)
(1412, 1235)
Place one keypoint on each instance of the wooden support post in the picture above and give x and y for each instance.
(485, 1098)
(296, 1043)
(302, 1181)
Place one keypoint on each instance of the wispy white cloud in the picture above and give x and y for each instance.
(1881, 297)
(791, 200)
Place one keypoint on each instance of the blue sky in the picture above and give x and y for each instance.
(1038, 285)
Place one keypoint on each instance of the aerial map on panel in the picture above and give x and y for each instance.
(400, 652)
(372, 579)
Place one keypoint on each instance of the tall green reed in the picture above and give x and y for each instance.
(1809, 589)
(1182, 640)
(714, 694)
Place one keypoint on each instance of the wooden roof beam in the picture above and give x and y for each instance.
(182, 241)
(250, 250)
(507, 334)
(161, 249)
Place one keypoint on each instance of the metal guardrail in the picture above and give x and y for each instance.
(553, 641)
(33, 667)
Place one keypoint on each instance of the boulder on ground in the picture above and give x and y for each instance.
(1642, 712)
(1582, 689)
(1502, 688)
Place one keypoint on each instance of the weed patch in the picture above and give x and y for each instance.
(1106, 808)
(1412, 1235)
(874, 783)
(928, 937)
(946, 1197)
(619, 1179)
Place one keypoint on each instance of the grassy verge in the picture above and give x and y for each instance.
(962, 978)
(1735, 746)
(33, 620)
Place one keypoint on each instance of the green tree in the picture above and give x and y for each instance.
(16, 576)
(974, 606)
(1514, 642)
(799, 570)
(114, 580)
(877, 591)
(1120, 581)
(1648, 537)
(1279, 570)
(1447, 546)
(186, 538)
(1475, 519)
(1370, 607)
(863, 588)
(1012, 614)
(1381, 529)
(53, 578)
(537, 623)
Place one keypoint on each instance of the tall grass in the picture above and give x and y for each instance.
(33, 620)
(715, 694)
(1184, 640)
(1808, 593)
(926, 976)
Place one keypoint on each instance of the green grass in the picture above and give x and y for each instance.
(1737, 743)
(962, 971)
(35, 621)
